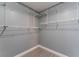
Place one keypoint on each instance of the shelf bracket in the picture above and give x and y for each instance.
(4, 28)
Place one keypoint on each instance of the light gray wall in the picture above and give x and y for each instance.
(19, 36)
(65, 37)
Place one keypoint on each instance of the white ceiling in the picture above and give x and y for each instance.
(39, 6)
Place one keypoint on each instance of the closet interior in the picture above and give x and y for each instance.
(39, 29)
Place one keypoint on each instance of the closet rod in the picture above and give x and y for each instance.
(60, 22)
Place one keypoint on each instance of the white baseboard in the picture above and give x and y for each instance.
(53, 51)
(31, 49)
(27, 51)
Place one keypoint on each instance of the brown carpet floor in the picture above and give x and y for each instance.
(39, 52)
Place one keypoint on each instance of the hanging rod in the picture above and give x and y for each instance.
(55, 22)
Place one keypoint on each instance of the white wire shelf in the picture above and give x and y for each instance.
(18, 31)
(61, 25)
(61, 21)
(15, 28)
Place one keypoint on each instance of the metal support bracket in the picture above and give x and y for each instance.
(4, 28)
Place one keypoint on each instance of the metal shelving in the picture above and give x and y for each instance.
(61, 25)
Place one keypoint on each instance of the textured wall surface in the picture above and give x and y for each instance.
(64, 37)
(17, 37)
